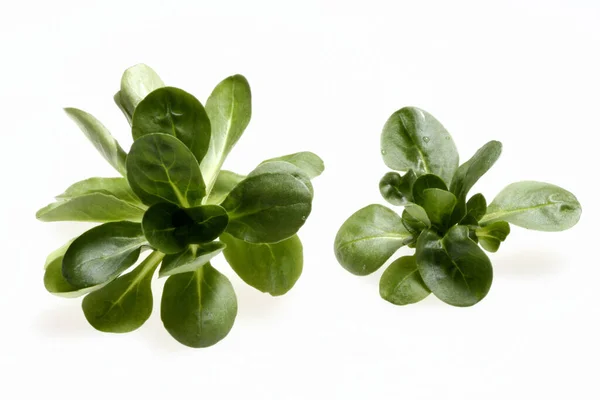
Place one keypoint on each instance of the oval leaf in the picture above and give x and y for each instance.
(229, 108)
(424, 182)
(125, 303)
(100, 137)
(310, 163)
(192, 258)
(476, 209)
(226, 181)
(207, 223)
(439, 205)
(160, 224)
(136, 83)
(173, 112)
(198, 308)
(268, 207)
(397, 189)
(490, 236)
(160, 168)
(271, 268)
(93, 207)
(368, 238)
(535, 205)
(116, 187)
(102, 253)
(401, 282)
(414, 139)
(454, 268)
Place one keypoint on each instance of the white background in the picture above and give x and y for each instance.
(325, 77)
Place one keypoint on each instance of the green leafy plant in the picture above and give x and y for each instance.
(438, 221)
(174, 199)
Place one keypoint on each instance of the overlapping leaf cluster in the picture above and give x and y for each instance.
(438, 221)
(174, 199)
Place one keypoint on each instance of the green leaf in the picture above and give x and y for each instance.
(415, 214)
(534, 205)
(469, 173)
(100, 138)
(476, 208)
(93, 207)
(282, 167)
(136, 83)
(397, 189)
(414, 225)
(490, 236)
(170, 229)
(198, 308)
(160, 168)
(271, 268)
(55, 282)
(124, 304)
(173, 112)
(192, 258)
(426, 182)
(414, 139)
(401, 282)
(269, 206)
(454, 268)
(310, 163)
(116, 187)
(102, 253)
(229, 109)
(368, 238)
(439, 205)
(226, 181)
(119, 102)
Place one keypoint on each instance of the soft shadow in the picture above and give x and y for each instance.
(529, 264)
(253, 304)
(64, 321)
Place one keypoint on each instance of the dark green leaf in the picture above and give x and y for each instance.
(102, 253)
(100, 138)
(412, 224)
(192, 258)
(401, 282)
(124, 304)
(396, 189)
(426, 182)
(310, 163)
(226, 181)
(282, 167)
(535, 205)
(170, 229)
(476, 208)
(490, 236)
(198, 308)
(368, 238)
(271, 268)
(414, 139)
(416, 215)
(469, 173)
(173, 112)
(439, 205)
(454, 268)
(160, 168)
(136, 83)
(269, 206)
(229, 108)
(55, 282)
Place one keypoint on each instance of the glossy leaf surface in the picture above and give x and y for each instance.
(93, 207)
(476, 209)
(173, 112)
(229, 108)
(454, 268)
(270, 206)
(535, 205)
(124, 304)
(414, 139)
(192, 258)
(116, 187)
(424, 182)
(160, 168)
(102, 253)
(198, 308)
(439, 205)
(397, 189)
(100, 137)
(369, 238)
(136, 83)
(271, 268)
(401, 282)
